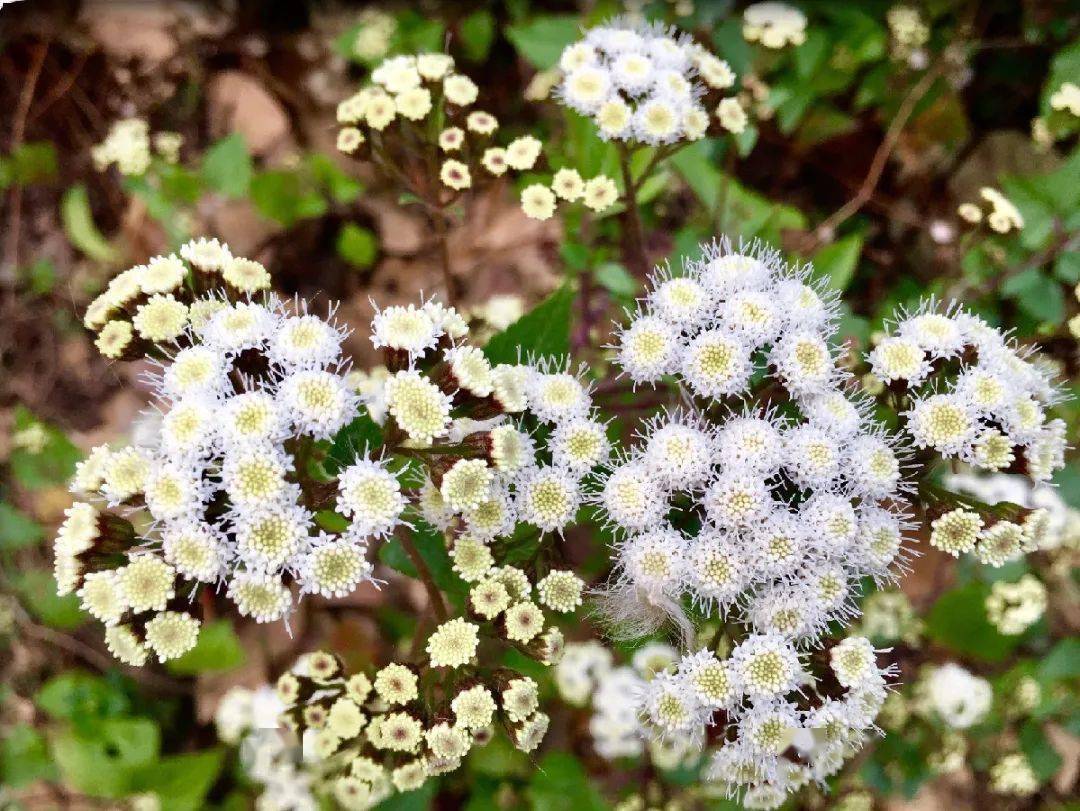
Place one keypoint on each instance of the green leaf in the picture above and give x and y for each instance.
(40, 277)
(958, 621)
(616, 279)
(280, 196)
(1043, 757)
(1037, 294)
(180, 782)
(33, 162)
(24, 757)
(477, 33)
(80, 228)
(1067, 267)
(838, 262)
(431, 545)
(696, 166)
(17, 530)
(357, 245)
(81, 698)
(217, 649)
(560, 782)
(543, 332)
(542, 40)
(1062, 662)
(356, 438)
(102, 764)
(342, 187)
(227, 166)
(52, 465)
(37, 590)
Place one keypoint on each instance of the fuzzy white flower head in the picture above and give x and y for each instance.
(371, 496)
(555, 396)
(716, 364)
(774, 24)
(579, 444)
(407, 329)
(712, 682)
(669, 706)
(648, 349)
(418, 406)
(453, 643)
(548, 498)
(942, 422)
(262, 597)
(633, 497)
(655, 560)
(334, 568)
(681, 300)
(767, 665)
(466, 484)
(195, 549)
(305, 341)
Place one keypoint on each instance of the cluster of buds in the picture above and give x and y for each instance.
(130, 146)
(418, 113)
(368, 736)
(150, 309)
(974, 395)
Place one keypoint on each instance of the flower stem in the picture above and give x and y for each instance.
(434, 595)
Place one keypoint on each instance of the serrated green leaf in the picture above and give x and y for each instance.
(1043, 757)
(543, 332)
(80, 228)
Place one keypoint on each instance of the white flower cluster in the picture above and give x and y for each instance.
(412, 89)
(953, 695)
(662, 703)
(780, 745)
(642, 83)
(1051, 523)
(367, 737)
(1012, 608)
(774, 24)
(128, 145)
(250, 720)
(587, 674)
(1001, 213)
(242, 400)
(763, 513)
(765, 498)
(976, 396)
(153, 304)
(501, 475)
